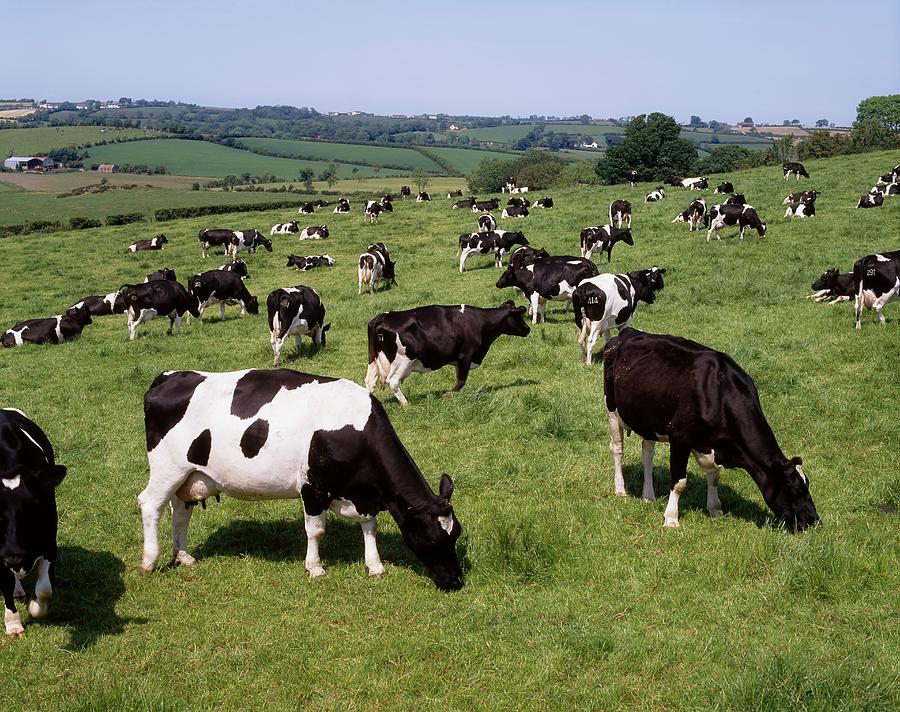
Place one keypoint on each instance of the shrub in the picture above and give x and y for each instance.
(84, 223)
(124, 218)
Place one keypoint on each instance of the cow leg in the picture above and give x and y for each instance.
(222, 310)
(462, 260)
(707, 463)
(181, 517)
(592, 341)
(315, 530)
(400, 369)
(298, 342)
(648, 447)
(710, 232)
(153, 500)
(373, 560)
(462, 373)
(678, 457)
(18, 592)
(742, 233)
(277, 345)
(43, 589)
(12, 618)
(858, 309)
(615, 445)
(535, 307)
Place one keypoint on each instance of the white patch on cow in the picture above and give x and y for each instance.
(671, 513)
(530, 268)
(42, 591)
(13, 623)
(882, 258)
(573, 262)
(462, 308)
(802, 475)
(12, 482)
(57, 330)
(346, 508)
(77, 306)
(446, 522)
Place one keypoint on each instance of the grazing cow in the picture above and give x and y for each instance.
(695, 214)
(375, 266)
(156, 243)
(525, 255)
(144, 302)
(285, 228)
(465, 204)
(486, 223)
(603, 238)
(497, 241)
(29, 477)
(405, 192)
(796, 168)
(343, 206)
(724, 187)
(309, 262)
(314, 232)
(517, 202)
(484, 206)
(372, 211)
(455, 194)
(49, 330)
(742, 215)
(428, 338)
(736, 199)
(876, 281)
(871, 201)
(214, 237)
(665, 388)
(514, 213)
(307, 209)
(803, 196)
(655, 195)
(164, 273)
(806, 209)
(112, 303)
(239, 267)
(695, 183)
(282, 434)
(608, 301)
(387, 198)
(834, 286)
(220, 287)
(619, 213)
(548, 279)
(632, 178)
(295, 311)
(247, 240)
(423, 197)
(544, 202)
(523, 189)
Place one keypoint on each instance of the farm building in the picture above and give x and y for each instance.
(28, 163)
(107, 168)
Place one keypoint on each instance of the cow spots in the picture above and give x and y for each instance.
(255, 389)
(198, 452)
(11, 483)
(167, 401)
(254, 438)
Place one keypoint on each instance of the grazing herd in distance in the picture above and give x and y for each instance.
(244, 433)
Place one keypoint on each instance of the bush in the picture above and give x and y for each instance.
(198, 210)
(124, 218)
(723, 159)
(84, 223)
(43, 226)
(577, 174)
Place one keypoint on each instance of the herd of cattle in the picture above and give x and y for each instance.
(258, 434)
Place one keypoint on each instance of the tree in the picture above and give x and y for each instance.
(822, 123)
(652, 146)
(421, 179)
(584, 119)
(822, 144)
(577, 174)
(723, 159)
(783, 149)
(748, 120)
(883, 110)
(305, 177)
(871, 135)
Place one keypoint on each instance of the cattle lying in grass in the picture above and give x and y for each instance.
(29, 477)
(319, 203)
(525, 255)
(603, 238)
(522, 189)
(675, 181)
(285, 228)
(620, 213)
(695, 183)
(164, 273)
(517, 202)
(871, 201)
(144, 302)
(876, 282)
(544, 202)
(655, 195)
(806, 209)
(665, 388)
(314, 232)
(886, 190)
(736, 199)
(608, 301)
(247, 240)
(156, 243)
(464, 204)
(548, 279)
(486, 223)
(239, 267)
(797, 169)
(423, 197)
(307, 209)
(497, 241)
(343, 206)
(220, 287)
(387, 198)
(514, 213)
(375, 266)
(49, 330)
(428, 338)
(743, 216)
(295, 311)
(455, 194)
(405, 192)
(833, 286)
(724, 187)
(484, 206)
(803, 196)
(309, 262)
(112, 303)
(695, 214)
(282, 434)
(632, 177)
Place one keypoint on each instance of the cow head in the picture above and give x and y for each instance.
(789, 497)
(323, 231)
(514, 322)
(509, 278)
(389, 272)
(252, 305)
(264, 241)
(526, 255)
(623, 234)
(80, 315)
(239, 267)
(827, 279)
(761, 229)
(517, 238)
(161, 239)
(652, 280)
(431, 531)
(387, 206)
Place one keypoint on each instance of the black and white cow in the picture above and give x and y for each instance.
(423, 197)
(548, 279)
(695, 183)
(112, 303)
(514, 213)
(695, 214)
(281, 434)
(608, 301)
(876, 281)
(724, 187)
(486, 222)
(29, 477)
(522, 189)
(314, 232)
(372, 211)
(655, 195)
(455, 194)
(343, 206)
(742, 215)
(886, 190)
(239, 267)
(310, 261)
(156, 243)
(428, 338)
(164, 273)
(805, 209)
(510, 184)
(871, 201)
(295, 311)
(544, 202)
(144, 302)
(525, 255)
(405, 192)
(387, 198)
(49, 330)
(796, 168)
(285, 228)
(319, 203)
(665, 388)
(736, 199)
(517, 202)
(833, 286)
(497, 241)
(803, 196)
(307, 209)
(632, 178)
(214, 237)
(220, 287)
(675, 181)
(247, 240)
(603, 238)
(620, 213)
(484, 206)
(464, 204)
(375, 266)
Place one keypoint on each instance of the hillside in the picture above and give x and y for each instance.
(39, 141)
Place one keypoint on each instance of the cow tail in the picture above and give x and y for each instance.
(576, 306)
(610, 214)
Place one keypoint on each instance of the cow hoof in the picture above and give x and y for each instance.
(376, 571)
(145, 568)
(14, 634)
(37, 610)
(648, 499)
(716, 513)
(182, 558)
(448, 394)
(316, 572)
(623, 493)
(673, 524)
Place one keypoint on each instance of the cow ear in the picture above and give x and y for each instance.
(446, 487)
(56, 474)
(794, 461)
(327, 326)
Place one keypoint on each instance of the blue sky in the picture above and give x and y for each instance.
(721, 60)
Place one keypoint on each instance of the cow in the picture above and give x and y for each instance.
(876, 281)
(314, 232)
(806, 209)
(428, 338)
(49, 330)
(295, 311)
(834, 286)
(246, 240)
(405, 192)
(525, 255)
(239, 267)
(464, 204)
(29, 477)
(674, 181)
(455, 194)
(486, 223)
(483, 206)
(112, 303)
(548, 279)
(695, 183)
(666, 388)
(523, 189)
(510, 184)
(372, 211)
(285, 228)
(214, 237)
(164, 273)
(319, 203)
(608, 301)
(514, 213)
(375, 265)
(619, 213)
(695, 214)
(803, 196)
(544, 202)
(307, 209)
(724, 187)
(742, 215)
(343, 206)
(886, 190)
(632, 178)
(310, 261)
(144, 302)
(156, 243)
(220, 287)
(281, 434)
(497, 241)
(736, 199)
(871, 201)
(517, 203)
(387, 198)
(603, 238)
(796, 168)
(655, 195)
(423, 197)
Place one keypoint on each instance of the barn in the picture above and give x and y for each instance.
(28, 163)
(107, 168)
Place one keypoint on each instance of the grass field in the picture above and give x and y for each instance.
(38, 141)
(62, 181)
(466, 160)
(360, 154)
(574, 598)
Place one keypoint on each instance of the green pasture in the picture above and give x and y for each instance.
(38, 141)
(574, 598)
(466, 160)
(361, 154)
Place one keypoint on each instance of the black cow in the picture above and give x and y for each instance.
(497, 241)
(49, 330)
(632, 177)
(295, 311)
(803, 196)
(247, 240)
(796, 168)
(164, 273)
(112, 303)
(405, 192)
(724, 187)
(220, 287)
(516, 202)
(248, 429)
(423, 197)
(387, 198)
(544, 202)
(486, 222)
(484, 206)
(603, 238)
(871, 201)
(428, 338)
(307, 209)
(834, 286)
(742, 215)
(619, 213)
(29, 477)
(319, 203)
(876, 281)
(309, 262)
(239, 267)
(549, 279)
(214, 237)
(343, 206)
(156, 243)
(144, 302)
(736, 199)
(455, 194)
(465, 203)
(514, 213)
(668, 388)
(375, 265)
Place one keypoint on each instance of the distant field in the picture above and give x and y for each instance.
(500, 134)
(437, 186)
(30, 142)
(466, 160)
(61, 181)
(345, 152)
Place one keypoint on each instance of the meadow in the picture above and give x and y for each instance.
(360, 154)
(574, 598)
(38, 141)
